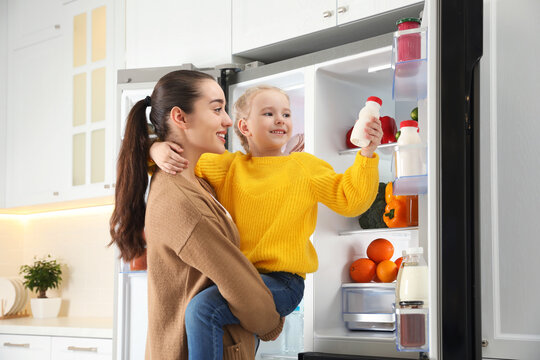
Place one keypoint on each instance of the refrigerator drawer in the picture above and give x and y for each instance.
(379, 322)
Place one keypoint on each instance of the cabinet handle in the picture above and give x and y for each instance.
(342, 9)
(56, 193)
(87, 349)
(107, 186)
(327, 14)
(7, 344)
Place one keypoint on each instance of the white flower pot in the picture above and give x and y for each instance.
(45, 308)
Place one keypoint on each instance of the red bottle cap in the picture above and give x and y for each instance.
(376, 99)
(406, 123)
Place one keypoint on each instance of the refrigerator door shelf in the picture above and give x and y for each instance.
(409, 61)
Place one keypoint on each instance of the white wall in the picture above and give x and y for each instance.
(77, 238)
(3, 94)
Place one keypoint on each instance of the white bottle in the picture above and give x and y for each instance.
(412, 280)
(371, 109)
(409, 159)
(294, 331)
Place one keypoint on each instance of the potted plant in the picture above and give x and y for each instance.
(44, 274)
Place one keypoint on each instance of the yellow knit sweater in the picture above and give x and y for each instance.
(273, 201)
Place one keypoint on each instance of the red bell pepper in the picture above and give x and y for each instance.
(389, 129)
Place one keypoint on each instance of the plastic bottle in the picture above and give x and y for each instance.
(412, 280)
(371, 109)
(294, 331)
(409, 160)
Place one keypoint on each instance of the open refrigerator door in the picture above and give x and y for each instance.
(327, 89)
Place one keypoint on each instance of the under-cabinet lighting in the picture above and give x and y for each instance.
(378, 68)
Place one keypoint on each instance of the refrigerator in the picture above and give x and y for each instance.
(327, 89)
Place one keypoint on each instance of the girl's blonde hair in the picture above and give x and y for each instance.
(242, 108)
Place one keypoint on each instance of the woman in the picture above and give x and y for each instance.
(191, 240)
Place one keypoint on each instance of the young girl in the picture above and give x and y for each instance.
(273, 199)
(191, 241)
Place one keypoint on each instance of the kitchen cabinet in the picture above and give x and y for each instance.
(258, 23)
(71, 348)
(168, 33)
(353, 10)
(29, 347)
(25, 347)
(60, 144)
(313, 26)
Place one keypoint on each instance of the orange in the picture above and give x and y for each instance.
(380, 250)
(398, 261)
(387, 271)
(362, 270)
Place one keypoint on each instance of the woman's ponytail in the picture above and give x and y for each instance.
(127, 220)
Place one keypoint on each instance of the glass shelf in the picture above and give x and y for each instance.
(344, 334)
(365, 231)
(386, 149)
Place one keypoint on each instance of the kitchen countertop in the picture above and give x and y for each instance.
(61, 326)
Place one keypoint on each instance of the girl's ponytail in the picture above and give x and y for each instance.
(127, 220)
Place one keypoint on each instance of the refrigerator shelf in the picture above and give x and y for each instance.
(386, 149)
(385, 230)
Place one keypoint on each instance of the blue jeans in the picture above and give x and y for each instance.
(208, 312)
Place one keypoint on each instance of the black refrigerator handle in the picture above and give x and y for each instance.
(460, 48)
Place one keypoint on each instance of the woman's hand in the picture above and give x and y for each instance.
(167, 157)
(374, 133)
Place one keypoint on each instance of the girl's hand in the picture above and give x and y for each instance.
(374, 133)
(167, 157)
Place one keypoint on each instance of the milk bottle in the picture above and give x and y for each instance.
(371, 109)
(409, 156)
(412, 280)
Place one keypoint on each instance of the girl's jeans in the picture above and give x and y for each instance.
(208, 312)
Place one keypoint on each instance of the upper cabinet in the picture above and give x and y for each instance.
(353, 10)
(60, 90)
(169, 33)
(259, 23)
(273, 31)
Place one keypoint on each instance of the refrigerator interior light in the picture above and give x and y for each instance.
(378, 68)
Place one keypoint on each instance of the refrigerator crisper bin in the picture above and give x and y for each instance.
(368, 306)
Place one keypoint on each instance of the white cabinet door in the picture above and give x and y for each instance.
(37, 137)
(352, 10)
(256, 23)
(22, 347)
(509, 173)
(167, 33)
(70, 348)
(40, 126)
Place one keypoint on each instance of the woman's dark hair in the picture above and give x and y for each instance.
(178, 88)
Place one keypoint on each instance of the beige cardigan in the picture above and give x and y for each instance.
(192, 243)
